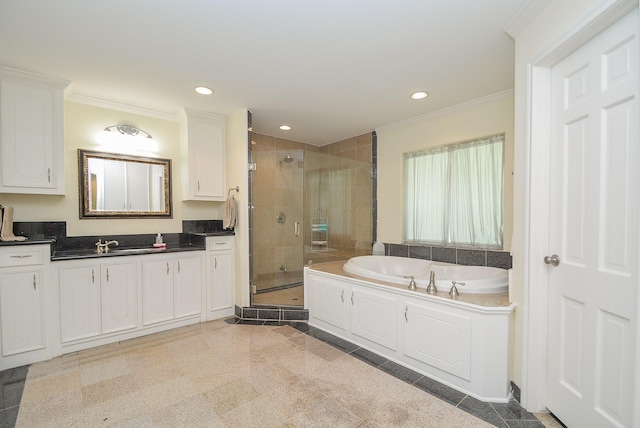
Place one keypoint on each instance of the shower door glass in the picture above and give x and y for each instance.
(278, 224)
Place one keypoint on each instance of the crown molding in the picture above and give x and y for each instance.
(23, 76)
(449, 111)
(524, 16)
(122, 106)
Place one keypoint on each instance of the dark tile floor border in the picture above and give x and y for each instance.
(272, 313)
(504, 415)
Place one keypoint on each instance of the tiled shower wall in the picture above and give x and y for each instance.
(357, 240)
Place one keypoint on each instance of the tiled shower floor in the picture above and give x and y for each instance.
(249, 374)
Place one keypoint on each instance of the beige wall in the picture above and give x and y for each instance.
(82, 123)
(479, 118)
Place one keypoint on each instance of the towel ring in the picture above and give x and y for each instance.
(237, 189)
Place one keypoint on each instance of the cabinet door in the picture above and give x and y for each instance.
(188, 286)
(157, 291)
(328, 301)
(221, 281)
(208, 159)
(28, 158)
(373, 317)
(79, 302)
(21, 312)
(440, 339)
(118, 294)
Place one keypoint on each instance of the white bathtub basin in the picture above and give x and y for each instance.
(477, 279)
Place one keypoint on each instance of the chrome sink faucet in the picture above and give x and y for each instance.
(103, 247)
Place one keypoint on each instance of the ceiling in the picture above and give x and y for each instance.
(330, 69)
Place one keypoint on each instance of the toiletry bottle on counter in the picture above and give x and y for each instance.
(159, 239)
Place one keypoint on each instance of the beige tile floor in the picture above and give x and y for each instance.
(218, 374)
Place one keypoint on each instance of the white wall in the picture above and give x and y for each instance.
(81, 125)
(479, 118)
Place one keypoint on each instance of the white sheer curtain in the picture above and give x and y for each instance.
(454, 193)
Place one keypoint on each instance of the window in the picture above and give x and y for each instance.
(454, 194)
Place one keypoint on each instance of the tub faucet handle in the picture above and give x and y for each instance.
(412, 284)
(454, 290)
(431, 288)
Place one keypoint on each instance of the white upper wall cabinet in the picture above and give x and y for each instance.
(203, 156)
(31, 133)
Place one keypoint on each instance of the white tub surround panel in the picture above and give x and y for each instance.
(462, 343)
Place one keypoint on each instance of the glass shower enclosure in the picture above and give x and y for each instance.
(305, 206)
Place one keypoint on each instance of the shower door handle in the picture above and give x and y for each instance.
(296, 228)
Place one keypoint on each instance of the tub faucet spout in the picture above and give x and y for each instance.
(431, 288)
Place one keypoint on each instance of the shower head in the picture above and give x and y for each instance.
(288, 158)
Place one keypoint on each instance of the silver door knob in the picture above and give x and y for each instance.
(553, 260)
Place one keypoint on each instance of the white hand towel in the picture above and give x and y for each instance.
(6, 233)
(230, 213)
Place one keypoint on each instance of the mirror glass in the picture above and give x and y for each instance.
(123, 186)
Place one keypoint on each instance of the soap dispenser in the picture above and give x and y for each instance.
(159, 239)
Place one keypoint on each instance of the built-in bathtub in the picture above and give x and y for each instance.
(464, 343)
(398, 270)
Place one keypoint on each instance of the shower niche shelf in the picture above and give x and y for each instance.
(319, 234)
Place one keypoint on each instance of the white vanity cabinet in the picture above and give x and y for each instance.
(108, 299)
(203, 154)
(31, 133)
(220, 278)
(97, 298)
(24, 291)
(171, 287)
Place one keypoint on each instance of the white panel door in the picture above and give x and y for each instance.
(593, 227)
(21, 307)
(119, 296)
(79, 302)
(440, 339)
(374, 317)
(188, 286)
(157, 291)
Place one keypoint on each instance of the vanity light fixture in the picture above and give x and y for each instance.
(126, 138)
(419, 95)
(203, 90)
(285, 127)
(129, 130)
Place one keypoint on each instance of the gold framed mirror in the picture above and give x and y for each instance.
(122, 186)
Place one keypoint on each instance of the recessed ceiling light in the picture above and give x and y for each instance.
(285, 127)
(419, 95)
(203, 90)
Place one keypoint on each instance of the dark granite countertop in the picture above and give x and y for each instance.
(119, 252)
(216, 233)
(27, 242)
